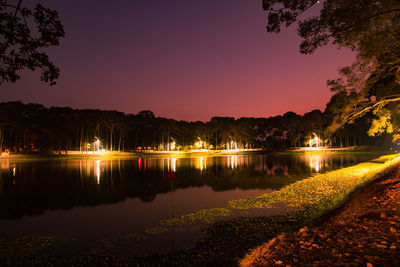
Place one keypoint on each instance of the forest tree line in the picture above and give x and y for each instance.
(27, 128)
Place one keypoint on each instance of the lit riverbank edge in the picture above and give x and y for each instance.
(125, 155)
(226, 241)
(105, 155)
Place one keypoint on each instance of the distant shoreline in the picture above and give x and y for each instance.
(135, 154)
(115, 154)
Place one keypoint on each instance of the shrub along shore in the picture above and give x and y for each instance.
(226, 241)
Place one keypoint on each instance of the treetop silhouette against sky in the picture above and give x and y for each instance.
(183, 60)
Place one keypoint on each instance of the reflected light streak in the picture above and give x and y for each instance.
(315, 163)
(97, 171)
(201, 163)
(14, 170)
(174, 164)
(232, 162)
(87, 168)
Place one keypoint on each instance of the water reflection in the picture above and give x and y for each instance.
(31, 188)
(171, 163)
(321, 162)
(316, 162)
(97, 171)
(201, 162)
(232, 163)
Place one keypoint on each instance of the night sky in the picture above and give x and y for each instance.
(182, 59)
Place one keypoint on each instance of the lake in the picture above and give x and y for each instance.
(92, 200)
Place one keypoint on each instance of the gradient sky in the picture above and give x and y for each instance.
(182, 59)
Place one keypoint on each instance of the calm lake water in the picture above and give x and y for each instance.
(96, 199)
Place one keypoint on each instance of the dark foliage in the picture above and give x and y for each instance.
(24, 32)
(27, 128)
(372, 30)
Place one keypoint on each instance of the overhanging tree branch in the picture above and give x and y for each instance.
(375, 16)
(17, 8)
(383, 101)
(22, 50)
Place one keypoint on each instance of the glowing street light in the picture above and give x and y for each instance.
(172, 145)
(199, 144)
(314, 141)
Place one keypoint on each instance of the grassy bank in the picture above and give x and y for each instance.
(322, 192)
(337, 151)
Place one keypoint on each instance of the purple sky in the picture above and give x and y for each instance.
(187, 60)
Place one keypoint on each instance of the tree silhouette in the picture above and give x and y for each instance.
(33, 128)
(24, 33)
(372, 29)
(359, 24)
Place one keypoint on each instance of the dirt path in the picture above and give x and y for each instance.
(365, 232)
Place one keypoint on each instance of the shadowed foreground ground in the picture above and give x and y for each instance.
(365, 232)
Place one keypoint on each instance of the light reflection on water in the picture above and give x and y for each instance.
(319, 162)
(244, 165)
(201, 161)
(316, 161)
(69, 196)
(97, 171)
(170, 164)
